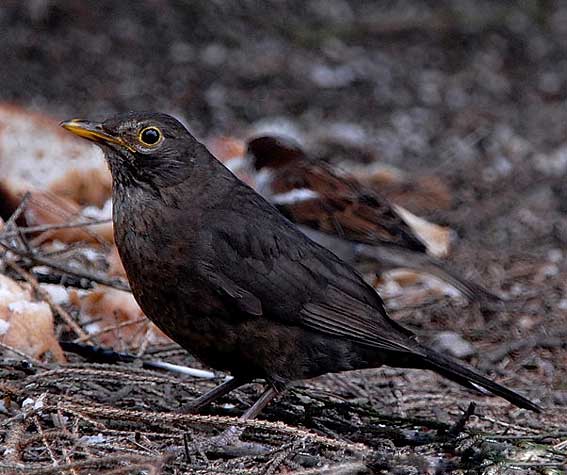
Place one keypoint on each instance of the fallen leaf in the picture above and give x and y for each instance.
(115, 267)
(26, 325)
(46, 207)
(116, 320)
(226, 148)
(35, 153)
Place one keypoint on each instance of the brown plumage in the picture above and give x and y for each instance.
(225, 275)
(312, 194)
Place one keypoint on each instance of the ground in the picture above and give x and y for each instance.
(471, 93)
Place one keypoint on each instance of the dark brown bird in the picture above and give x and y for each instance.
(225, 275)
(337, 211)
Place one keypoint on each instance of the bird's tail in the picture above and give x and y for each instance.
(471, 290)
(449, 368)
(394, 256)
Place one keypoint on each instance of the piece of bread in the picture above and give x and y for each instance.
(62, 172)
(37, 154)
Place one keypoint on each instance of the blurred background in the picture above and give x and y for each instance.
(451, 88)
(409, 77)
(463, 102)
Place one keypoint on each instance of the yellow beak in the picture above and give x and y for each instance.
(92, 131)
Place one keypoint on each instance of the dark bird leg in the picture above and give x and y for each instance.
(270, 393)
(214, 394)
(232, 435)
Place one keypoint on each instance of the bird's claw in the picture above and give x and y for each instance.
(227, 444)
(230, 436)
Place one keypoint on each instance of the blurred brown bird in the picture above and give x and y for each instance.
(225, 275)
(338, 212)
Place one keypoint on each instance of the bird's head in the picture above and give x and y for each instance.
(273, 152)
(142, 147)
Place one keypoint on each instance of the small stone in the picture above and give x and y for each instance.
(555, 255)
(93, 439)
(453, 344)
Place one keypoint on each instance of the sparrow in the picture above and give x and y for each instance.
(333, 208)
(223, 273)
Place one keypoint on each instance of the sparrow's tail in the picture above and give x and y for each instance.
(393, 256)
(471, 290)
(426, 358)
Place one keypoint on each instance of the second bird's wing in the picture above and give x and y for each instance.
(339, 206)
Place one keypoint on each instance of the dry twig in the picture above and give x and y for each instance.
(93, 277)
(159, 418)
(25, 356)
(51, 227)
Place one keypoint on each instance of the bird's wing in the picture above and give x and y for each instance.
(261, 261)
(245, 301)
(338, 205)
(345, 316)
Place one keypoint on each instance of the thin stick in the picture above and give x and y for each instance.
(95, 353)
(107, 329)
(545, 341)
(100, 279)
(12, 442)
(462, 421)
(19, 210)
(51, 227)
(93, 463)
(35, 361)
(186, 370)
(54, 460)
(338, 469)
(159, 418)
(145, 342)
(8, 225)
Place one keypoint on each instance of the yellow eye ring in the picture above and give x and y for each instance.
(150, 136)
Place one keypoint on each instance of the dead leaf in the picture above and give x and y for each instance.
(115, 267)
(116, 320)
(26, 325)
(226, 148)
(46, 207)
(37, 154)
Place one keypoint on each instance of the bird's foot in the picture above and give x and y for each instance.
(230, 436)
(226, 445)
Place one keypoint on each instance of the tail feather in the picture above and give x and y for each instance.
(394, 256)
(458, 373)
(471, 290)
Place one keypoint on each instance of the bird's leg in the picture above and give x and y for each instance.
(270, 393)
(231, 435)
(215, 393)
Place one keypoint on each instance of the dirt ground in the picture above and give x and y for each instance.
(472, 93)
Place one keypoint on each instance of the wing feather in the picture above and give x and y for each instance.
(282, 275)
(339, 206)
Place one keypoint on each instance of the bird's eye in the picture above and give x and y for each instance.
(150, 136)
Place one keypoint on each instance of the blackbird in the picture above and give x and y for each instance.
(230, 279)
(337, 211)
